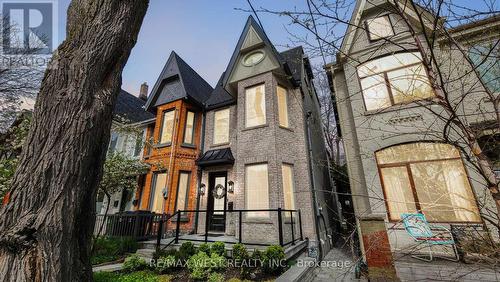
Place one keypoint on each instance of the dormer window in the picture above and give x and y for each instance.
(379, 28)
(395, 79)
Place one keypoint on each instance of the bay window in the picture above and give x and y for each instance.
(428, 178)
(182, 191)
(167, 127)
(189, 128)
(282, 98)
(257, 189)
(158, 185)
(255, 106)
(395, 79)
(288, 187)
(221, 126)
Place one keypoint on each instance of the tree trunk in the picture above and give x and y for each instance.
(46, 227)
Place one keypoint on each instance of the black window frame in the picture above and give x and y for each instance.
(161, 127)
(184, 143)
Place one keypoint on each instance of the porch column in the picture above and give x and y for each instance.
(377, 248)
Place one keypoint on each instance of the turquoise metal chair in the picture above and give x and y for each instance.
(421, 231)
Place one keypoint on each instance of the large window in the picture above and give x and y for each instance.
(282, 106)
(379, 28)
(167, 127)
(182, 191)
(255, 106)
(396, 79)
(189, 128)
(158, 185)
(485, 59)
(427, 177)
(221, 126)
(288, 187)
(257, 189)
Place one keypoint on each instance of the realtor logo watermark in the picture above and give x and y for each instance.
(29, 32)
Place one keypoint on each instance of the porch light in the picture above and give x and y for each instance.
(202, 189)
(230, 187)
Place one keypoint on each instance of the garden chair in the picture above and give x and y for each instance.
(421, 231)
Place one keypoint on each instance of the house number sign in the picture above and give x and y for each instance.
(219, 191)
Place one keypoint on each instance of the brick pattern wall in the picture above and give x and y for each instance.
(269, 144)
(183, 160)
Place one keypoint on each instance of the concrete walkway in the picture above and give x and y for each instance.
(108, 267)
(337, 266)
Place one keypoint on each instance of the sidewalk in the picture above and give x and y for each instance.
(339, 267)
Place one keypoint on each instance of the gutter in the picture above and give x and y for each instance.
(199, 170)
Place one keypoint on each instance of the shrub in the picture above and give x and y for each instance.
(134, 263)
(164, 253)
(201, 265)
(204, 248)
(257, 255)
(240, 252)
(186, 250)
(218, 248)
(166, 263)
(107, 249)
(216, 277)
(98, 259)
(273, 259)
(105, 276)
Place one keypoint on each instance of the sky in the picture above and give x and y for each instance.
(204, 33)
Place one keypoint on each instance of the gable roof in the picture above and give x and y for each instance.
(178, 80)
(130, 109)
(250, 26)
(294, 59)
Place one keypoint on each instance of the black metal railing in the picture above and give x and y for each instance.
(289, 226)
(140, 226)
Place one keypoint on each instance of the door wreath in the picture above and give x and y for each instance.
(219, 191)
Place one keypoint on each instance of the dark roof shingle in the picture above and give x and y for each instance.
(216, 157)
(130, 109)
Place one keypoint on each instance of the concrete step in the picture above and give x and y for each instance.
(145, 253)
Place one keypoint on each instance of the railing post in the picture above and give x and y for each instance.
(280, 227)
(206, 226)
(291, 224)
(300, 227)
(177, 226)
(159, 232)
(136, 226)
(239, 222)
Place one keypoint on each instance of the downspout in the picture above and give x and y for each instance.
(199, 174)
(311, 175)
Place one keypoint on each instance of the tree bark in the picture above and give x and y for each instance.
(46, 228)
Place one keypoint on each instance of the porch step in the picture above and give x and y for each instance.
(145, 253)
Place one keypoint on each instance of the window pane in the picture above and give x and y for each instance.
(282, 106)
(221, 126)
(485, 59)
(444, 191)
(288, 189)
(189, 130)
(255, 106)
(379, 28)
(416, 152)
(159, 183)
(219, 203)
(389, 63)
(399, 195)
(113, 142)
(256, 187)
(375, 92)
(182, 191)
(167, 127)
(409, 84)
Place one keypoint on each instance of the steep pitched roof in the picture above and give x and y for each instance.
(294, 59)
(178, 80)
(130, 109)
(219, 97)
(250, 24)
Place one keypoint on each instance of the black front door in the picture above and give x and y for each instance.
(217, 201)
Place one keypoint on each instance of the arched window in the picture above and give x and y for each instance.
(395, 79)
(426, 177)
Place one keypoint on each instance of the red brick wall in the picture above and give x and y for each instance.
(183, 159)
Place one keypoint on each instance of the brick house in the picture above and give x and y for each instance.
(231, 158)
(173, 142)
(396, 161)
